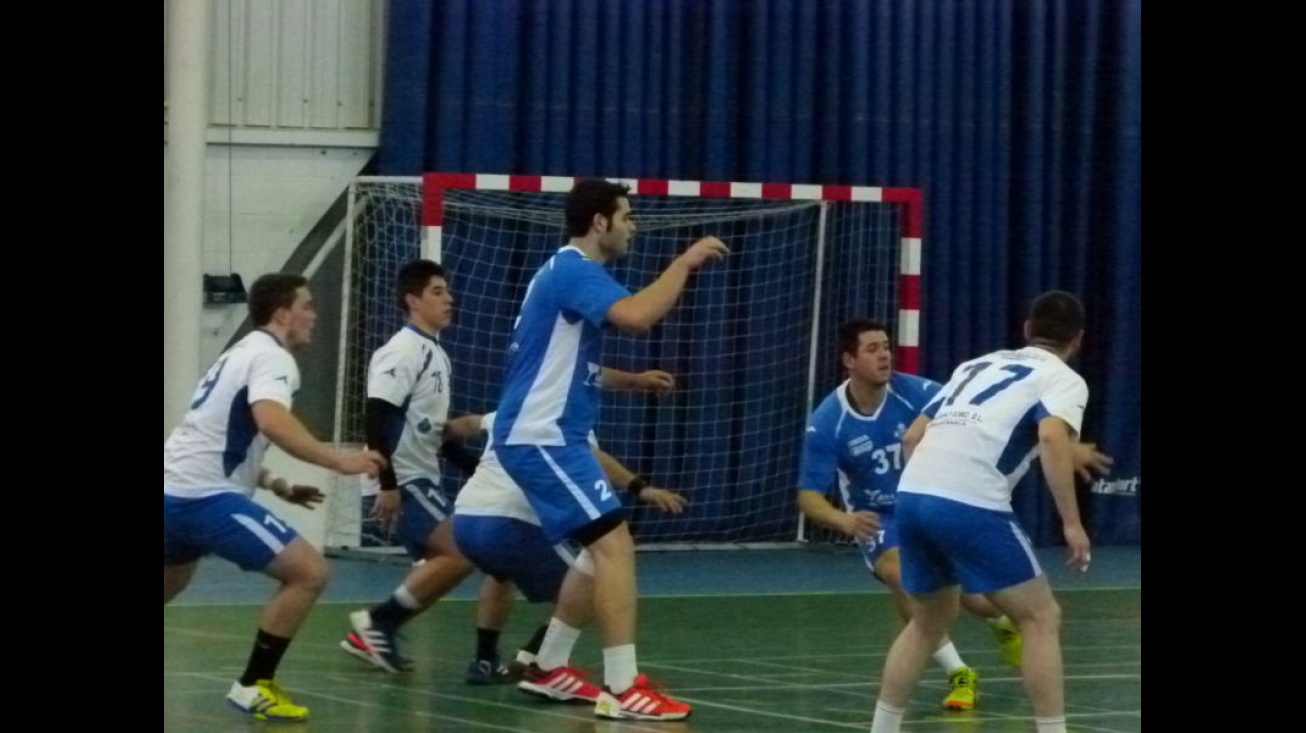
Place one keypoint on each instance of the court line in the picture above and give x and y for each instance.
(767, 713)
(365, 704)
(856, 655)
(626, 725)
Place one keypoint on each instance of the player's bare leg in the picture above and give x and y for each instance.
(303, 574)
(176, 578)
(1038, 616)
(963, 681)
(932, 616)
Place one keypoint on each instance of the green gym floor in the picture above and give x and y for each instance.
(790, 641)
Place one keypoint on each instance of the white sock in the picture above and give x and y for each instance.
(524, 656)
(406, 599)
(619, 669)
(555, 650)
(948, 658)
(1051, 725)
(888, 719)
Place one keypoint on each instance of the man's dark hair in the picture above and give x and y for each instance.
(850, 334)
(1055, 317)
(590, 197)
(272, 292)
(413, 279)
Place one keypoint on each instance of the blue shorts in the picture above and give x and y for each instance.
(513, 550)
(229, 525)
(422, 506)
(564, 484)
(880, 542)
(946, 542)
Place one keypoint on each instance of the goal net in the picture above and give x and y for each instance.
(751, 341)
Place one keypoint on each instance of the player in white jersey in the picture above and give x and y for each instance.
(407, 420)
(973, 443)
(549, 404)
(212, 463)
(854, 441)
(499, 531)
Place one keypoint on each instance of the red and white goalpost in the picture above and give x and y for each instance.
(435, 186)
(751, 340)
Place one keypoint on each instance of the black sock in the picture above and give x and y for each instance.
(391, 614)
(533, 646)
(487, 644)
(264, 658)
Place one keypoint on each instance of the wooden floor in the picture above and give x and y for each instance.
(751, 662)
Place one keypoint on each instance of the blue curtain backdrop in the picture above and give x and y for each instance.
(1021, 122)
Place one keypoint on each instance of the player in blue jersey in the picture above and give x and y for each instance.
(854, 441)
(212, 463)
(499, 531)
(549, 404)
(969, 448)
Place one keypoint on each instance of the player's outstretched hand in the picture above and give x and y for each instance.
(704, 250)
(1090, 462)
(1077, 547)
(862, 525)
(369, 462)
(667, 501)
(655, 380)
(305, 496)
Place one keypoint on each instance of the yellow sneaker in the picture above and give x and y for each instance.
(965, 689)
(1010, 641)
(265, 700)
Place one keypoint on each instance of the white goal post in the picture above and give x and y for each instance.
(751, 342)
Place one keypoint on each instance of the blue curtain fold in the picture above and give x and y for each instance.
(1021, 121)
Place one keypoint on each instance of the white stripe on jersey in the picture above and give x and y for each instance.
(590, 510)
(537, 423)
(260, 532)
(416, 492)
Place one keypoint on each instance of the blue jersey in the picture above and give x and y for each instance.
(864, 452)
(551, 386)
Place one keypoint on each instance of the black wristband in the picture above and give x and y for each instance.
(636, 485)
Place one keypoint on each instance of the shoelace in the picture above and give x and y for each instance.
(651, 689)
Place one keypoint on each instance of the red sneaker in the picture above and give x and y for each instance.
(562, 684)
(641, 702)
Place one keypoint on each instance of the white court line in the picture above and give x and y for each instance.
(861, 655)
(626, 725)
(785, 716)
(365, 704)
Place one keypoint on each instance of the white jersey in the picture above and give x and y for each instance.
(413, 373)
(491, 492)
(984, 432)
(217, 447)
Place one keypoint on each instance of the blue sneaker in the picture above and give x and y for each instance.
(489, 672)
(374, 644)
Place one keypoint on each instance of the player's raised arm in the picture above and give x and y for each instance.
(641, 311)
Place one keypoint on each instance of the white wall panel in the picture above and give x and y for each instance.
(292, 57)
(287, 65)
(324, 71)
